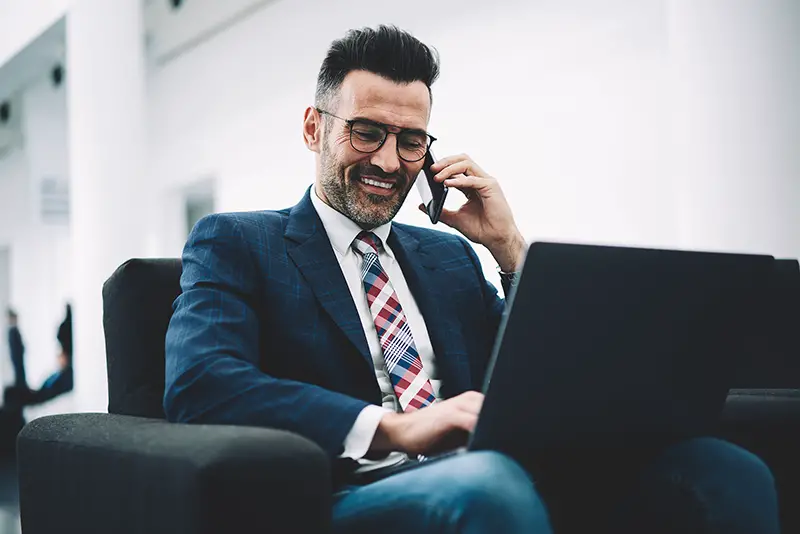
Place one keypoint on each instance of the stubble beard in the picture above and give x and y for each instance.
(344, 194)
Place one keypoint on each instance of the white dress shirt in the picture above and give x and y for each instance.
(341, 233)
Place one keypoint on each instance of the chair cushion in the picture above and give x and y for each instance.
(137, 306)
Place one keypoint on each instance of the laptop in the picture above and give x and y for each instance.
(615, 346)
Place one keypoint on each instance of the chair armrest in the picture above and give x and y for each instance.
(762, 406)
(101, 473)
(766, 421)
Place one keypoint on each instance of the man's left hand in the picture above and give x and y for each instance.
(486, 217)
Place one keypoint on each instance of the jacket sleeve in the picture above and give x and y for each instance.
(494, 305)
(56, 384)
(212, 349)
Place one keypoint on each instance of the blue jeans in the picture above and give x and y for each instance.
(701, 485)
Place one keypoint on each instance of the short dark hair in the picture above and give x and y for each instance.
(387, 51)
(11, 313)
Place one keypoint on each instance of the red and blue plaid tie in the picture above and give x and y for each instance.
(410, 382)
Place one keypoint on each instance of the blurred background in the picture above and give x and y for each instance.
(665, 123)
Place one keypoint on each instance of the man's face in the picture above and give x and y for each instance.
(344, 173)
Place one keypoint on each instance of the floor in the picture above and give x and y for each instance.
(9, 499)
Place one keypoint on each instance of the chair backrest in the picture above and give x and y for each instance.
(776, 341)
(137, 306)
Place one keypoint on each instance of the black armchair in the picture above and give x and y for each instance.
(129, 471)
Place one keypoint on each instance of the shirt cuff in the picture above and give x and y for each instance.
(358, 440)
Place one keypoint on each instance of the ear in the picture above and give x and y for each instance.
(312, 130)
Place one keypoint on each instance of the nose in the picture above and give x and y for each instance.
(386, 157)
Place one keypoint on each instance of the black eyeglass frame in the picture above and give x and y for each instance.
(386, 132)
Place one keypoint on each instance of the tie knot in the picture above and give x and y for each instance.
(367, 243)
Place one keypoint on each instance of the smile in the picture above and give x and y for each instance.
(376, 183)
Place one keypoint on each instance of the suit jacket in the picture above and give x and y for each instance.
(265, 332)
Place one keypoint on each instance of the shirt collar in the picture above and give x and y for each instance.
(342, 230)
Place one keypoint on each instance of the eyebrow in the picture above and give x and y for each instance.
(378, 123)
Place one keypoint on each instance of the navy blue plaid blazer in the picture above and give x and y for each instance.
(265, 332)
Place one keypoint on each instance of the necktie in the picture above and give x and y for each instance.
(410, 382)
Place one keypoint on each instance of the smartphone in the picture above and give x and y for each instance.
(433, 193)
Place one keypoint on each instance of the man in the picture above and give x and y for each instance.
(17, 350)
(372, 338)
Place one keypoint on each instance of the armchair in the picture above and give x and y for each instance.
(129, 471)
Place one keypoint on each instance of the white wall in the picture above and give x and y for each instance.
(40, 253)
(645, 122)
(584, 111)
(564, 105)
(735, 86)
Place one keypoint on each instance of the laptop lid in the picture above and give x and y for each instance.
(602, 344)
(775, 344)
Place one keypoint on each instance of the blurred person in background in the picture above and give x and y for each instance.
(16, 350)
(372, 338)
(16, 398)
(61, 381)
(58, 383)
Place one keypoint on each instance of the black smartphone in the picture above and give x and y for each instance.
(433, 193)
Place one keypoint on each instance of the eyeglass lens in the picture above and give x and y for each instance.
(366, 137)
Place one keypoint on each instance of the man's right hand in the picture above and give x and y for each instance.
(440, 427)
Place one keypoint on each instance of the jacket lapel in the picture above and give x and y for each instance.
(311, 251)
(428, 282)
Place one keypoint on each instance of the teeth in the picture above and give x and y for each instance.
(376, 183)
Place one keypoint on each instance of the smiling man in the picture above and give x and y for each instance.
(372, 338)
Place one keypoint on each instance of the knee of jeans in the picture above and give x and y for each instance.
(494, 480)
(756, 466)
(739, 461)
(714, 462)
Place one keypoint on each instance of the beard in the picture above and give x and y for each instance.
(342, 187)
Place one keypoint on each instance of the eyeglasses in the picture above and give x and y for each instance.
(368, 136)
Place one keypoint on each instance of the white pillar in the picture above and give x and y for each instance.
(737, 123)
(106, 107)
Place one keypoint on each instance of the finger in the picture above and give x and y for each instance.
(471, 394)
(467, 183)
(473, 167)
(448, 217)
(444, 162)
(464, 167)
(464, 420)
(459, 167)
(472, 403)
